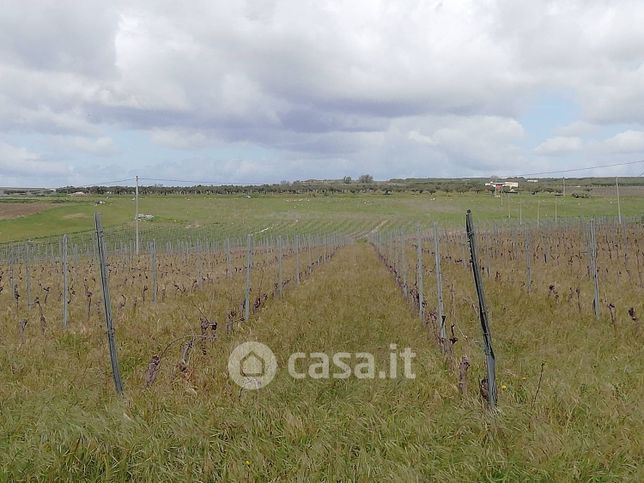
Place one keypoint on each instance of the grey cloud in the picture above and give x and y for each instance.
(433, 86)
(17, 162)
(59, 35)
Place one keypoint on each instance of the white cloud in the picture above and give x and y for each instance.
(180, 139)
(394, 87)
(626, 142)
(17, 161)
(576, 129)
(100, 146)
(559, 145)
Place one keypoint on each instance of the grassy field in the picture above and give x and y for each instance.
(284, 214)
(61, 419)
(570, 385)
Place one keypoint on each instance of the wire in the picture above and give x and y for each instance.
(231, 183)
(197, 182)
(579, 169)
(108, 183)
(219, 183)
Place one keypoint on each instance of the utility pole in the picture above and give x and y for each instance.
(136, 214)
(619, 207)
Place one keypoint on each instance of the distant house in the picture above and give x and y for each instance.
(512, 186)
(503, 187)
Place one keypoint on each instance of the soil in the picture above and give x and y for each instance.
(15, 210)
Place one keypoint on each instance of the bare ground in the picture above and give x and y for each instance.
(15, 210)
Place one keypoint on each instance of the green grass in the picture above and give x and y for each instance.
(60, 418)
(305, 213)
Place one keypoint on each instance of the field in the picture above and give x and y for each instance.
(324, 274)
(16, 209)
(307, 213)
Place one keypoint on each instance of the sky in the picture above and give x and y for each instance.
(267, 90)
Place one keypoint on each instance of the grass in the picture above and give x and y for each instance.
(60, 418)
(238, 215)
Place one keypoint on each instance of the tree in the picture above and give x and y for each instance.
(365, 178)
(346, 180)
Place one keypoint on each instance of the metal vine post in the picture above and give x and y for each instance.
(280, 255)
(439, 290)
(249, 264)
(65, 282)
(116, 373)
(420, 274)
(297, 259)
(594, 269)
(153, 262)
(485, 327)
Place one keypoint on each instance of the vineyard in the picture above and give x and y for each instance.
(113, 352)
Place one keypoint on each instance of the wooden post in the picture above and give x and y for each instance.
(153, 268)
(326, 248)
(593, 268)
(619, 206)
(116, 373)
(439, 290)
(485, 327)
(528, 259)
(297, 259)
(229, 263)
(65, 282)
(420, 274)
(136, 214)
(249, 264)
(280, 254)
(12, 282)
(403, 263)
(28, 275)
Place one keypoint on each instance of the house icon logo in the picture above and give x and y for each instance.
(252, 365)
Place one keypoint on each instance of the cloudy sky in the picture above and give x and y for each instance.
(265, 90)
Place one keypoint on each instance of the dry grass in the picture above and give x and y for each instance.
(61, 418)
(15, 210)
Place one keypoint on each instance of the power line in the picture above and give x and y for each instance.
(202, 182)
(107, 183)
(232, 183)
(579, 169)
